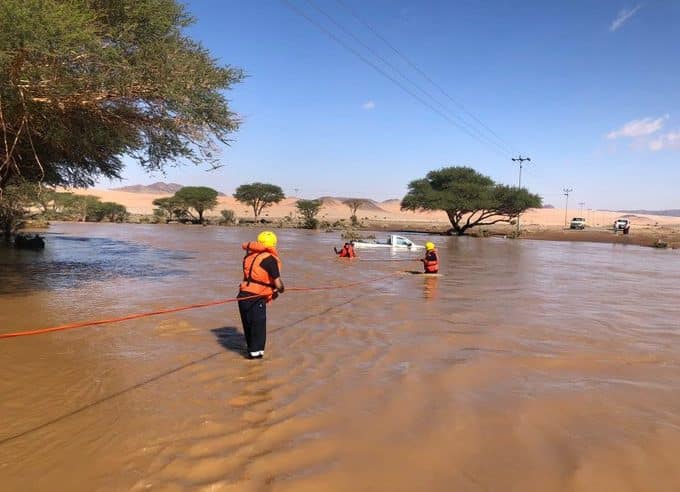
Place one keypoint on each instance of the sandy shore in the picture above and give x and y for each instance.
(545, 224)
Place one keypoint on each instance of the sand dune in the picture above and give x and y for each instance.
(389, 210)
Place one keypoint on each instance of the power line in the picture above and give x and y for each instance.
(521, 161)
(356, 53)
(394, 68)
(424, 74)
(566, 192)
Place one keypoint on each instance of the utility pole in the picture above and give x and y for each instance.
(521, 161)
(581, 207)
(566, 192)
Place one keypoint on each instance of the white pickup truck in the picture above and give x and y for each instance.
(394, 241)
(622, 225)
(577, 223)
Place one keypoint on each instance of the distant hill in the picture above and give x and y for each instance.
(337, 200)
(547, 205)
(665, 213)
(155, 188)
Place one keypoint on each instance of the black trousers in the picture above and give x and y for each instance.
(254, 318)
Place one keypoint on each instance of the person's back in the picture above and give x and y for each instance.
(260, 285)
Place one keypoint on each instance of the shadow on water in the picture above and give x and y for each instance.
(70, 262)
(231, 339)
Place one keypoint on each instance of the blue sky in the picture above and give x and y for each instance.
(590, 90)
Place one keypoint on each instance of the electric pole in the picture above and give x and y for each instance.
(521, 161)
(566, 192)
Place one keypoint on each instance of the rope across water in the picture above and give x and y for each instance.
(84, 324)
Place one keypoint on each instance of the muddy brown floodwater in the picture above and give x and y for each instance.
(528, 366)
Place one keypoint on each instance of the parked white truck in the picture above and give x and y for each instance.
(622, 225)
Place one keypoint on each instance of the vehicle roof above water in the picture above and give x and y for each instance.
(402, 238)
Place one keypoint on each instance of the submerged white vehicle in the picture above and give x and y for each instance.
(394, 241)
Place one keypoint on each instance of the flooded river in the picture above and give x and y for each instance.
(528, 366)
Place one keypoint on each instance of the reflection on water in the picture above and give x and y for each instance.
(430, 287)
(525, 366)
(69, 261)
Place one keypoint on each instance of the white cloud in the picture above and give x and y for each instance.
(368, 105)
(623, 17)
(638, 128)
(670, 140)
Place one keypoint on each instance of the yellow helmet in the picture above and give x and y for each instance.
(429, 246)
(267, 239)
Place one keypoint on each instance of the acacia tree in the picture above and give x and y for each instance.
(170, 208)
(469, 198)
(82, 206)
(114, 212)
(309, 209)
(84, 83)
(200, 198)
(354, 204)
(259, 196)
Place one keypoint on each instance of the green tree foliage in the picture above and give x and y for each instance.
(85, 82)
(469, 198)
(80, 207)
(259, 196)
(228, 217)
(309, 209)
(55, 203)
(14, 203)
(198, 198)
(354, 204)
(111, 211)
(170, 208)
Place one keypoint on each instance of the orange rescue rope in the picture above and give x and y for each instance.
(84, 324)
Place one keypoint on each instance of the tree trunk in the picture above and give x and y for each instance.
(456, 228)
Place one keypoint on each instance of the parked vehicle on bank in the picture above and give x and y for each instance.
(577, 223)
(622, 225)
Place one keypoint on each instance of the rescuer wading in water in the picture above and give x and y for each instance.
(261, 277)
(431, 260)
(347, 251)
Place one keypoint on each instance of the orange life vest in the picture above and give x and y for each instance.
(347, 251)
(256, 280)
(431, 266)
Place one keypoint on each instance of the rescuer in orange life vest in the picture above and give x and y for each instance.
(261, 277)
(347, 251)
(431, 260)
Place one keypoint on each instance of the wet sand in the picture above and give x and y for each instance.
(529, 365)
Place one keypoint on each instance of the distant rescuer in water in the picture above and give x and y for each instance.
(431, 260)
(261, 277)
(347, 251)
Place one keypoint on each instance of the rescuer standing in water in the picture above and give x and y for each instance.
(431, 260)
(261, 277)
